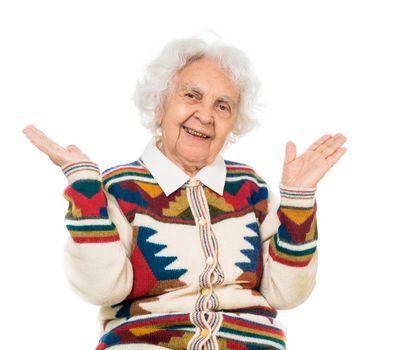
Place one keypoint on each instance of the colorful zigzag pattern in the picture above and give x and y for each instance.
(174, 331)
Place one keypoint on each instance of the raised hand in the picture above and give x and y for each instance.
(58, 154)
(307, 169)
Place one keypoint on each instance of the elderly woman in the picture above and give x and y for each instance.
(181, 248)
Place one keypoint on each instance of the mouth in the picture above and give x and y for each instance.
(195, 133)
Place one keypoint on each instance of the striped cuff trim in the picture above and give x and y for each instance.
(72, 168)
(88, 222)
(292, 255)
(297, 248)
(297, 197)
(295, 192)
(92, 230)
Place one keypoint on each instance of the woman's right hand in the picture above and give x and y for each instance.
(58, 154)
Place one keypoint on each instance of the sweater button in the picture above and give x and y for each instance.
(204, 332)
(202, 222)
(193, 182)
(205, 291)
(210, 260)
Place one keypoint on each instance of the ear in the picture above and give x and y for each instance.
(159, 112)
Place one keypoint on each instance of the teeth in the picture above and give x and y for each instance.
(196, 133)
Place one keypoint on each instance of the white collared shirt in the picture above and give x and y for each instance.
(170, 177)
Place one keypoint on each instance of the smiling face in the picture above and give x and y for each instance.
(198, 115)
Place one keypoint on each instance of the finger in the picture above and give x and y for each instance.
(290, 152)
(48, 142)
(35, 137)
(41, 141)
(330, 147)
(316, 144)
(332, 159)
(326, 144)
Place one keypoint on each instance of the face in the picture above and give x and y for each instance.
(198, 115)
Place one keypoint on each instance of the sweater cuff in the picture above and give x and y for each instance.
(298, 197)
(81, 170)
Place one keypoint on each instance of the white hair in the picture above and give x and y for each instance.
(157, 82)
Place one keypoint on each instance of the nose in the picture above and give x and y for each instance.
(205, 114)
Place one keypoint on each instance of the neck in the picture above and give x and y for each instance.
(189, 169)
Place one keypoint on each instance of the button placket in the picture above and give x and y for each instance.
(208, 325)
(207, 300)
(202, 222)
(199, 207)
(205, 291)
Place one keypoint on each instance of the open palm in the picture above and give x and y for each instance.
(307, 169)
(58, 154)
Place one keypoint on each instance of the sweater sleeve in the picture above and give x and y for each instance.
(96, 263)
(289, 240)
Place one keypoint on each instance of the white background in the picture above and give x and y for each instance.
(69, 68)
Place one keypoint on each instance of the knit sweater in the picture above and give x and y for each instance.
(194, 269)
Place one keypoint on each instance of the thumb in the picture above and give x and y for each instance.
(290, 152)
(73, 148)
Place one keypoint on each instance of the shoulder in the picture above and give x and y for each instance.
(243, 172)
(126, 172)
(243, 176)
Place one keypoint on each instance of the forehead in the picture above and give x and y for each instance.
(207, 76)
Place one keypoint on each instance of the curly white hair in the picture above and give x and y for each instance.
(151, 91)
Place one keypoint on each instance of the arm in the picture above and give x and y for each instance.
(95, 260)
(96, 263)
(289, 230)
(289, 239)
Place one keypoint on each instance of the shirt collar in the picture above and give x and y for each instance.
(170, 177)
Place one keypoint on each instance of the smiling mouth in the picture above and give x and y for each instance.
(195, 133)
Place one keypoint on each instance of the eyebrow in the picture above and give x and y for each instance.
(223, 98)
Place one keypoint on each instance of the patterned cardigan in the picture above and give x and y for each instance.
(191, 270)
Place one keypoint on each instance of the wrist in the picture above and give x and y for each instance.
(81, 170)
(303, 197)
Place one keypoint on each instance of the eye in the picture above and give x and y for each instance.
(190, 95)
(224, 107)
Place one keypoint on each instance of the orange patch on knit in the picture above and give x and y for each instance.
(178, 342)
(222, 344)
(262, 206)
(152, 190)
(245, 329)
(93, 233)
(178, 206)
(140, 331)
(256, 293)
(312, 233)
(72, 208)
(149, 299)
(136, 309)
(293, 258)
(248, 280)
(217, 201)
(166, 286)
(297, 215)
(135, 230)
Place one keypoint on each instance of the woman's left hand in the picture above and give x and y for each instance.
(307, 169)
